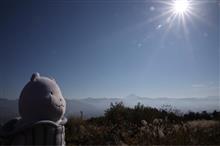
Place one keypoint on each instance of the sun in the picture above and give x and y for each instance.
(177, 16)
(181, 6)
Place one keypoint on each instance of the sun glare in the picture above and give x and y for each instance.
(179, 14)
(181, 6)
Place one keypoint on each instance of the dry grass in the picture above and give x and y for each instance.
(159, 132)
(144, 126)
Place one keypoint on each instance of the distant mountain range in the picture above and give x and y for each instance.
(92, 107)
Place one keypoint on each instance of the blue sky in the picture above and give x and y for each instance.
(110, 48)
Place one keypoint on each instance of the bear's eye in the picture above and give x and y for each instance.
(51, 93)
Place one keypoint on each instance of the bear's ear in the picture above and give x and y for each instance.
(35, 76)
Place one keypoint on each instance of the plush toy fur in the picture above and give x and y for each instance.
(41, 121)
(41, 99)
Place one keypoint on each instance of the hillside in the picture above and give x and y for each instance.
(141, 125)
(93, 107)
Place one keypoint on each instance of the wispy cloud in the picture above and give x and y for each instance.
(199, 85)
(206, 89)
(210, 84)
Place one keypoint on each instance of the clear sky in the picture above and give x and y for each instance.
(111, 48)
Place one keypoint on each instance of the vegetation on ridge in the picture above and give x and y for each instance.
(142, 125)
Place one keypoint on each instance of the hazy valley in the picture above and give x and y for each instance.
(93, 107)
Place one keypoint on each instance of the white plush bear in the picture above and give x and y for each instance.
(41, 121)
(41, 99)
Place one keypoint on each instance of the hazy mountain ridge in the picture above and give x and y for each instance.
(93, 107)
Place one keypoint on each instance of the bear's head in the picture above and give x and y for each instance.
(41, 99)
